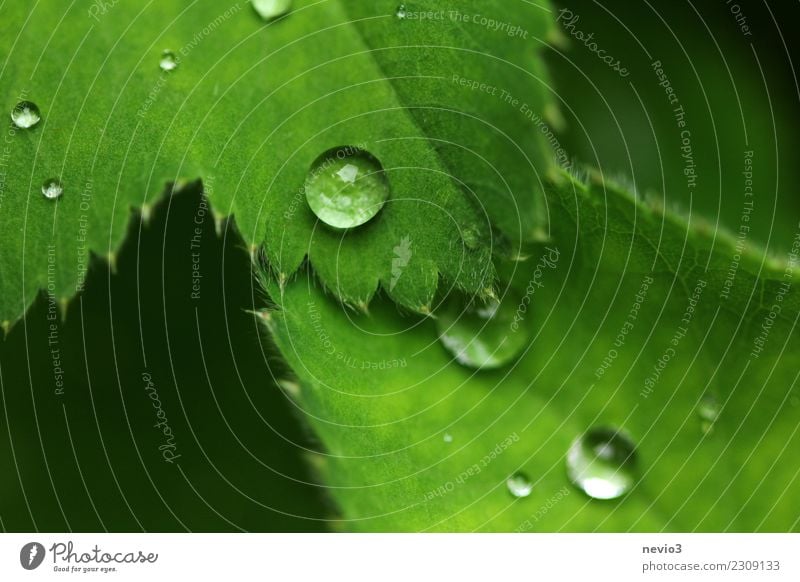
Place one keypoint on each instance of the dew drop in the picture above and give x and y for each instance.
(481, 335)
(448, 438)
(25, 114)
(601, 462)
(168, 62)
(52, 189)
(346, 187)
(271, 9)
(401, 12)
(519, 485)
(708, 410)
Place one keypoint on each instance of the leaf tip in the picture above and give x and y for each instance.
(63, 305)
(263, 316)
(219, 222)
(317, 462)
(556, 37)
(111, 257)
(552, 115)
(145, 212)
(290, 388)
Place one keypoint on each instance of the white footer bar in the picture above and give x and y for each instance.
(389, 557)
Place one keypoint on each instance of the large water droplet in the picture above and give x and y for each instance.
(25, 114)
(346, 187)
(271, 9)
(519, 485)
(401, 12)
(168, 62)
(52, 188)
(482, 335)
(602, 463)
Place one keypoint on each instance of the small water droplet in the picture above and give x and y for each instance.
(708, 410)
(482, 335)
(346, 187)
(25, 114)
(519, 485)
(168, 62)
(52, 188)
(448, 438)
(601, 462)
(401, 12)
(271, 9)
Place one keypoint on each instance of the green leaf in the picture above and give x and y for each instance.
(620, 288)
(248, 108)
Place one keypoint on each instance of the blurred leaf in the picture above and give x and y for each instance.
(737, 92)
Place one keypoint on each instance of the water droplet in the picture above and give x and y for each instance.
(168, 62)
(25, 114)
(708, 410)
(401, 12)
(346, 187)
(602, 462)
(52, 188)
(482, 335)
(448, 438)
(519, 485)
(271, 9)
